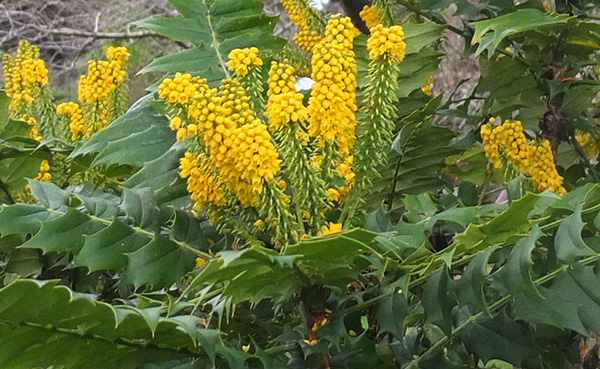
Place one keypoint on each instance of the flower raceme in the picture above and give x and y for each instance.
(24, 76)
(285, 104)
(103, 77)
(332, 103)
(508, 141)
(76, 121)
(242, 60)
(387, 42)
(102, 91)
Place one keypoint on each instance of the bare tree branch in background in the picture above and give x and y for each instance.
(66, 30)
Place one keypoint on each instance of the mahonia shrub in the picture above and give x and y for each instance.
(319, 202)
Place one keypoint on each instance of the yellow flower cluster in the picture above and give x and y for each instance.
(34, 133)
(387, 42)
(204, 187)
(331, 229)
(242, 60)
(119, 55)
(299, 13)
(536, 161)
(103, 76)
(238, 144)
(285, 104)
(509, 139)
(102, 79)
(302, 15)
(307, 39)
(426, 88)
(180, 90)
(43, 175)
(255, 158)
(24, 75)
(77, 123)
(370, 16)
(332, 103)
(340, 32)
(542, 170)
(587, 142)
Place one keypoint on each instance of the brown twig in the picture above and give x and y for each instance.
(113, 35)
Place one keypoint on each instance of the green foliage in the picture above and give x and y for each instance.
(114, 269)
(215, 28)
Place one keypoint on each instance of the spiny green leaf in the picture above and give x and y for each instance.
(141, 207)
(65, 233)
(24, 262)
(438, 300)
(42, 324)
(390, 314)
(513, 23)
(159, 263)
(23, 218)
(549, 308)
(49, 194)
(499, 338)
(516, 274)
(568, 242)
(107, 249)
(469, 287)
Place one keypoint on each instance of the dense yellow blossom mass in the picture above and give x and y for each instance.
(387, 41)
(332, 103)
(508, 141)
(76, 121)
(242, 60)
(285, 104)
(24, 75)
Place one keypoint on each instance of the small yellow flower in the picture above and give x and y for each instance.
(245, 348)
(352, 333)
(200, 262)
(331, 229)
(260, 224)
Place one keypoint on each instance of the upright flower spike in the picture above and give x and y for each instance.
(203, 182)
(332, 103)
(386, 49)
(308, 20)
(307, 39)
(102, 91)
(247, 65)
(26, 79)
(119, 99)
(303, 15)
(76, 122)
(543, 170)
(286, 115)
(385, 12)
(508, 142)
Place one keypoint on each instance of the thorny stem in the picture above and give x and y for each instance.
(216, 43)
